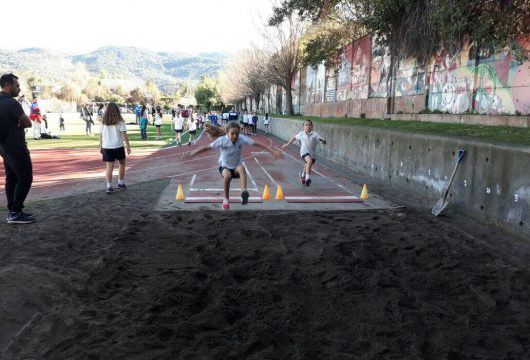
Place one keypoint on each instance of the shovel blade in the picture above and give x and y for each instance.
(439, 207)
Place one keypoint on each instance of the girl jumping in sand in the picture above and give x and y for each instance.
(309, 140)
(111, 138)
(230, 142)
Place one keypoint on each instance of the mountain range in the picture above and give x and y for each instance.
(127, 63)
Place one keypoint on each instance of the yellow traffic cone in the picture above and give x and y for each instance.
(266, 194)
(279, 193)
(364, 193)
(180, 194)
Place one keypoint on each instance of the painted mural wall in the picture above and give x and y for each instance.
(410, 78)
(480, 80)
(320, 83)
(331, 84)
(472, 81)
(344, 74)
(379, 71)
(361, 68)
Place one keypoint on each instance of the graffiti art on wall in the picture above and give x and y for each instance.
(331, 84)
(380, 70)
(410, 78)
(483, 81)
(344, 76)
(361, 68)
(320, 83)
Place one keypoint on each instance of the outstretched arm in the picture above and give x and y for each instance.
(196, 152)
(289, 143)
(322, 140)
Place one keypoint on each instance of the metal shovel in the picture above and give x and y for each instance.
(441, 205)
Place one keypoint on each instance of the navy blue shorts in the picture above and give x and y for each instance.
(232, 171)
(111, 155)
(303, 157)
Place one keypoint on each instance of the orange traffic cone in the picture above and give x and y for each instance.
(279, 193)
(364, 193)
(180, 194)
(266, 194)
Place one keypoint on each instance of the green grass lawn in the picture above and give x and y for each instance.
(82, 141)
(509, 135)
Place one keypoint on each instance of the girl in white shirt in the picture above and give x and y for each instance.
(192, 127)
(113, 134)
(158, 124)
(178, 124)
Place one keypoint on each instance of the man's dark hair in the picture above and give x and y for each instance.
(7, 79)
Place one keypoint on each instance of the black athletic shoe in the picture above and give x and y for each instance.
(308, 182)
(19, 218)
(244, 197)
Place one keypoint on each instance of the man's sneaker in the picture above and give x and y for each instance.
(308, 182)
(122, 187)
(244, 197)
(19, 218)
(302, 178)
(226, 204)
(110, 190)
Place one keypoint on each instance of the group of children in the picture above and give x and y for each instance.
(228, 139)
(249, 123)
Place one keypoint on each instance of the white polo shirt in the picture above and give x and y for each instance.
(112, 136)
(231, 152)
(308, 143)
(178, 122)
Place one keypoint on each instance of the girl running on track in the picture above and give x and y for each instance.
(231, 163)
(266, 122)
(309, 140)
(192, 128)
(178, 123)
(111, 138)
(158, 124)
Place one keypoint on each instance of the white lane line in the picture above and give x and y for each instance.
(193, 180)
(220, 190)
(218, 199)
(250, 176)
(267, 173)
(321, 198)
(318, 173)
(333, 181)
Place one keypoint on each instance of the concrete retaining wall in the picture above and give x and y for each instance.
(492, 184)
(489, 120)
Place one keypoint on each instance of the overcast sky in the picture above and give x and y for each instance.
(77, 26)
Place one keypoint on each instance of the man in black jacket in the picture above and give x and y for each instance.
(14, 150)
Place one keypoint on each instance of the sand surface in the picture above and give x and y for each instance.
(108, 277)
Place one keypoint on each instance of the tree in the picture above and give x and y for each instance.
(415, 28)
(152, 92)
(245, 76)
(283, 42)
(207, 93)
(136, 96)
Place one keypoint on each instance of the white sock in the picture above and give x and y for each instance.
(109, 185)
(306, 177)
(120, 182)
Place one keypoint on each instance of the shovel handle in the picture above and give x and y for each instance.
(459, 156)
